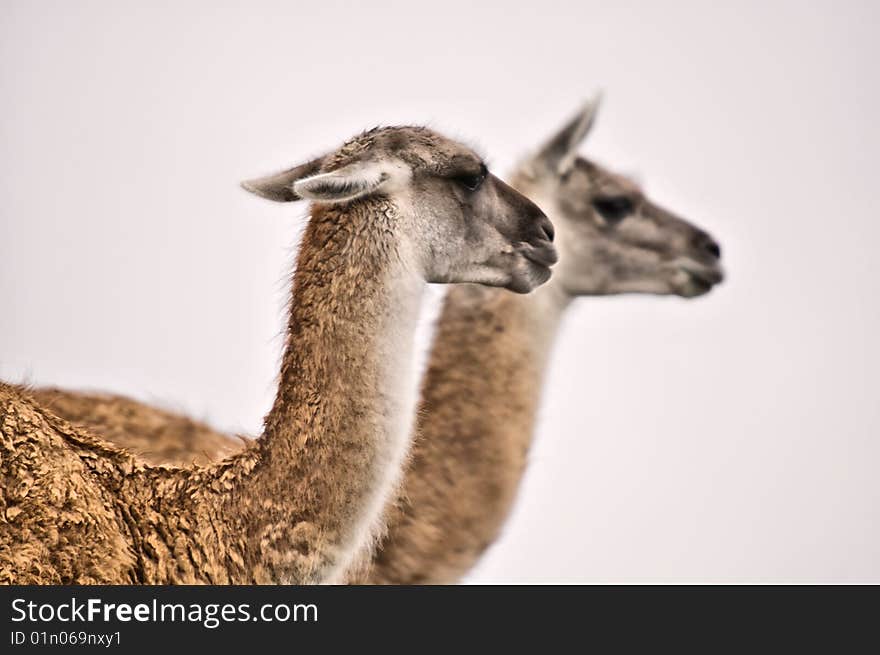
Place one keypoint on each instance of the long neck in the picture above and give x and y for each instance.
(480, 397)
(310, 491)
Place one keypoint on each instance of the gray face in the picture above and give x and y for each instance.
(611, 238)
(459, 222)
(480, 229)
(617, 241)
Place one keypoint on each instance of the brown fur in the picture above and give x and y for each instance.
(156, 435)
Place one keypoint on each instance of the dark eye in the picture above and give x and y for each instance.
(613, 208)
(472, 181)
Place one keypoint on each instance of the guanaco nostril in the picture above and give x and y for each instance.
(713, 249)
(708, 245)
(547, 229)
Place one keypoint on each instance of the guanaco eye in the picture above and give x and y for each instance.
(472, 181)
(613, 208)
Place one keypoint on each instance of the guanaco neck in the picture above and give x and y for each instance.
(311, 489)
(480, 398)
(509, 358)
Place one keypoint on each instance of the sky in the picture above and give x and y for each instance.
(732, 438)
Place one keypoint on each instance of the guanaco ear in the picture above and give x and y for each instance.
(560, 152)
(279, 187)
(346, 183)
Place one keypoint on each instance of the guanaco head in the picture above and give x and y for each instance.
(611, 237)
(455, 220)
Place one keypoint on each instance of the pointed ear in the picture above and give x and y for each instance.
(560, 152)
(279, 187)
(347, 183)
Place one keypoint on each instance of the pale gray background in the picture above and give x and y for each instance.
(729, 439)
